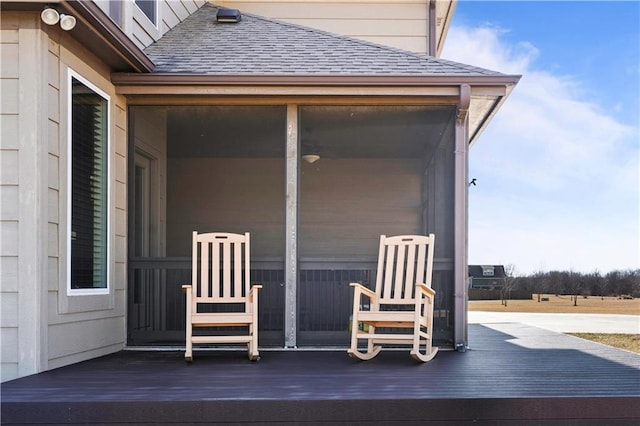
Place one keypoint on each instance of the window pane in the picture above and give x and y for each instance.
(88, 188)
(148, 7)
(115, 12)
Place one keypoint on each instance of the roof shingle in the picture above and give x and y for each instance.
(262, 46)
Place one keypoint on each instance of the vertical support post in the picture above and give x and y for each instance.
(291, 228)
(460, 267)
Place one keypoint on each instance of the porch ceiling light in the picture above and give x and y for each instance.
(232, 16)
(50, 16)
(311, 158)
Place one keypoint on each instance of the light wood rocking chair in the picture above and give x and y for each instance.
(405, 265)
(220, 275)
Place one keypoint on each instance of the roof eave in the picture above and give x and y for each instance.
(474, 134)
(160, 79)
(106, 39)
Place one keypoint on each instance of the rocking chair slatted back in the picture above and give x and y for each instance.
(221, 267)
(403, 261)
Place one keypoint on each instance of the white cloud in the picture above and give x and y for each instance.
(558, 177)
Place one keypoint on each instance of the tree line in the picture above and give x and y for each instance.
(614, 283)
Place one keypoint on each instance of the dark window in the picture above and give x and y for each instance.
(148, 7)
(89, 177)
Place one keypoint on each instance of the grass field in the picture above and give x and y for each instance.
(561, 304)
(630, 342)
(565, 304)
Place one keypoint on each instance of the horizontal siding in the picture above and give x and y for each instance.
(9, 352)
(9, 309)
(9, 196)
(8, 62)
(170, 13)
(8, 203)
(9, 241)
(226, 195)
(327, 9)
(399, 24)
(81, 327)
(345, 205)
(82, 317)
(338, 215)
(8, 131)
(119, 209)
(9, 99)
(366, 27)
(76, 337)
(8, 273)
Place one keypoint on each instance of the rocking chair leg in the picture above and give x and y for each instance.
(252, 349)
(372, 350)
(428, 356)
(364, 356)
(188, 354)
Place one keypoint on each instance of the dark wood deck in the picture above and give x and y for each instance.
(513, 374)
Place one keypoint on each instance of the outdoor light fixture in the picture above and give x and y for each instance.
(67, 22)
(231, 16)
(311, 158)
(50, 16)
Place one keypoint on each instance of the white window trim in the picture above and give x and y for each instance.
(86, 291)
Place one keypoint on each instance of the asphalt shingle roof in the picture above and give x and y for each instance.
(262, 46)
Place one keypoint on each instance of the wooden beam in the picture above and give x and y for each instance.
(291, 228)
(461, 218)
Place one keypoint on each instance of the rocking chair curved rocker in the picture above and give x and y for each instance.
(403, 300)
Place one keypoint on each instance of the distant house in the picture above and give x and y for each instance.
(151, 119)
(487, 277)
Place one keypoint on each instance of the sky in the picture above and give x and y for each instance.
(557, 169)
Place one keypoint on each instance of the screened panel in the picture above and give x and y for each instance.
(381, 170)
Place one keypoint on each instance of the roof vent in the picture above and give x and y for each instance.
(228, 15)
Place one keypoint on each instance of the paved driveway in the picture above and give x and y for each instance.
(563, 323)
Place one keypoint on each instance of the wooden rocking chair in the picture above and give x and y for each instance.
(220, 275)
(403, 280)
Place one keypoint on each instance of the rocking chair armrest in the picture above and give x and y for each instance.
(254, 288)
(365, 290)
(186, 288)
(425, 289)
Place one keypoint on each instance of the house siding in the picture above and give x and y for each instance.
(144, 32)
(9, 195)
(346, 204)
(400, 24)
(95, 323)
(42, 327)
(22, 229)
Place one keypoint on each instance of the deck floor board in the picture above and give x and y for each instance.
(528, 369)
